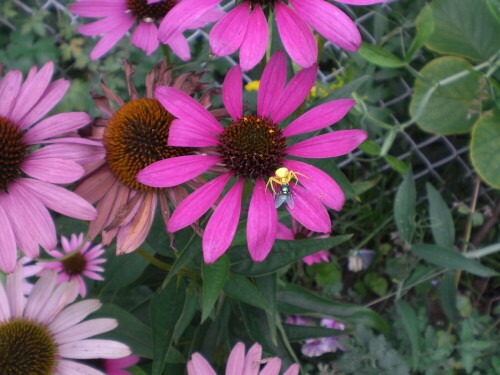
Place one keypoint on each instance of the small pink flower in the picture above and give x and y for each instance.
(84, 262)
(35, 155)
(318, 347)
(245, 27)
(250, 149)
(44, 334)
(300, 233)
(119, 16)
(240, 364)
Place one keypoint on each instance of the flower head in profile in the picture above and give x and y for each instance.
(298, 232)
(250, 149)
(130, 138)
(245, 27)
(119, 16)
(113, 366)
(79, 259)
(240, 363)
(45, 334)
(36, 154)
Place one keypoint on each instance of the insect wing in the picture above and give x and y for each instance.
(280, 199)
(289, 200)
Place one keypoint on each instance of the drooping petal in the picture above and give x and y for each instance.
(318, 183)
(74, 368)
(184, 133)
(94, 348)
(296, 36)
(85, 330)
(283, 232)
(100, 27)
(262, 221)
(74, 314)
(109, 39)
(184, 107)
(56, 125)
(271, 84)
(329, 145)
(212, 15)
(232, 92)
(272, 367)
(97, 8)
(329, 21)
(14, 290)
(361, 2)
(227, 34)
(309, 211)
(145, 36)
(8, 252)
(4, 304)
(56, 171)
(254, 44)
(294, 93)
(9, 88)
(39, 294)
(198, 365)
(180, 46)
(175, 171)
(236, 360)
(292, 370)
(197, 203)
(222, 225)
(319, 117)
(252, 359)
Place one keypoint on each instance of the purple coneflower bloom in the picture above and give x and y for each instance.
(251, 148)
(84, 262)
(119, 16)
(240, 364)
(318, 347)
(245, 27)
(43, 335)
(29, 173)
(113, 366)
(300, 233)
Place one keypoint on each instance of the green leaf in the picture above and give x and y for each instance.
(464, 27)
(404, 207)
(299, 333)
(165, 310)
(123, 270)
(396, 164)
(214, 276)
(448, 295)
(242, 289)
(450, 259)
(485, 146)
(370, 147)
(187, 315)
(267, 286)
(442, 226)
(293, 299)
(425, 28)
(186, 255)
(380, 56)
(410, 324)
(130, 330)
(345, 91)
(283, 253)
(451, 106)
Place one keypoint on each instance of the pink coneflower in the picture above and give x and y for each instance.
(318, 347)
(245, 27)
(132, 137)
(299, 232)
(43, 335)
(121, 15)
(240, 364)
(29, 173)
(250, 149)
(84, 262)
(113, 366)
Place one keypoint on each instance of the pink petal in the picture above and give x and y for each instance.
(175, 171)
(145, 36)
(56, 171)
(81, 154)
(31, 91)
(180, 46)
(100, 27)
(319, 257)
(235, 362)
(329, 145)
(197, 203)
(57, 125)
(294, 93)
(4, 304)
(254, 44)
(123, 362)
(309, 211)
(296, 36)
(198, 365)
(98, 8)
(330, 22)
(283, 232)
(262, 221)
(232, 91)
(40, 294)
(271, 84)
(252, 359)
(59, 199)
(8, 252)
(272, 367)
(318, 183)
(9, 89)
(74, 368)
(109, 40)
(227, 34)
(319, 117)
(94, 348)
(74, 314)
(212, 15)
(184, 107)
(292, 370)
(222, 225)
(85, 330)
(14, 291)
(184, 133)
(182, 16)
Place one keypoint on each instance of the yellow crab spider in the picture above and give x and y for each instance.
(283, 176)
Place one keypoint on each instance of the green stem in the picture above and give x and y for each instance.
(166, 52)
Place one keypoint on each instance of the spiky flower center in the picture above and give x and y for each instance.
(75, 264)
(252, 147)
(150, 13)
(13, 150)
(26, 348)
(136, 136)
